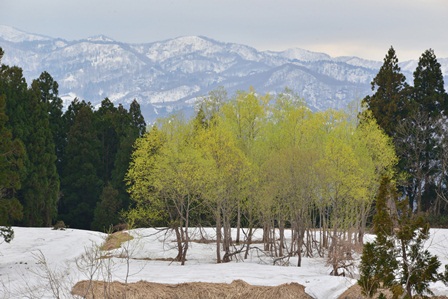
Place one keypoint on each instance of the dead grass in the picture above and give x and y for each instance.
(199, 290)
(114, 241)
(354, 292)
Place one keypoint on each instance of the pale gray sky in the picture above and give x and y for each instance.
(337, 27)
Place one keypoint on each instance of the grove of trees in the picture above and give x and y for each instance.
(271, 163)
(57, 165)
(415, 117)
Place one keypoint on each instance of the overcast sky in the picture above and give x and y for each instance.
(337, 27)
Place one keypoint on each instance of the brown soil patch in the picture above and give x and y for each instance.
(199, 290)
(354, 292)
(114, 241)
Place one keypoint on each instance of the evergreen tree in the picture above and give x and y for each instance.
(107, 210)
(49, 96)
(13, 86)
(107, 135)
(11, 164)
(138, 121)
(429, 91)
(12, 153)
(431, 102)
(378, 261)
(81, 184)
(29, 122)
(397, 259)
(387, 102)
(12, 150)
(128, 126)
(127, 134)
(41, 186)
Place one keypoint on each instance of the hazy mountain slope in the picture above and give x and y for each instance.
(168, 75)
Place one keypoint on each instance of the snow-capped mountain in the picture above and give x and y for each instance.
(169, 75)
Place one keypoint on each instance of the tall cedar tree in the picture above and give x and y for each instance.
(429, 91)
(107, 135)
(81, 184)
(132, 126)
(138, 122)
(49, 96)
(11, 165)
(41, 186)
(387, 103)
(412, 117)
(28, 122)
(430, 101)
(11, 154)
(118, 130)
(127, 133)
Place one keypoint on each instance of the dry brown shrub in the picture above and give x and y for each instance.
(114, 241)
(200, 290)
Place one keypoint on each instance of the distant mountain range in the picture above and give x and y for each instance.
(170, 75)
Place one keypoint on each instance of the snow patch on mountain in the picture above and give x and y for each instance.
(11, 34)
(304, 55)
(171, 75)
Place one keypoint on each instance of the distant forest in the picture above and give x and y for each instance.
(81, 165)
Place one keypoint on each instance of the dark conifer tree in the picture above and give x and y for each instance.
(41, 186)
(429, 92)
(105, 119)
(126, 136)
(49, 96)
(390, 92)
(12, 150)
(81, 184)
(138, 120)
(12, 153)
(11, 165)
(13, 86)
(130, 126)
(107, 210)
(397, 259)
(419, 144)
(28, 121)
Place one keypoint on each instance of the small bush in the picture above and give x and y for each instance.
(114, 241)
(60, 225)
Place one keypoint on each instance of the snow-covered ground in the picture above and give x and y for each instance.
(29, 261)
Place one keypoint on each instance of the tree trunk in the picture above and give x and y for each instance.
(238, 224)
(266, 236)
(179, 243)
(218, 236)
(281, 229)
(248, 243)
(186, 240)
(227, 238)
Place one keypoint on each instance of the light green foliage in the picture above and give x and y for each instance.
(246, 159)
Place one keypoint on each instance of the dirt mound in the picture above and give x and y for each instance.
(200, 290)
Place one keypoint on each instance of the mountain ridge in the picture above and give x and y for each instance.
(169, 75)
